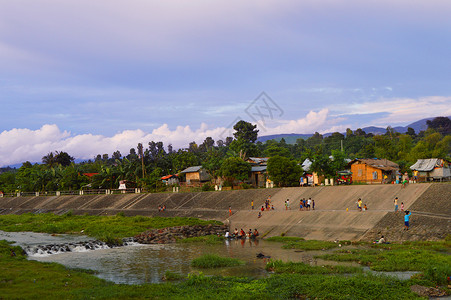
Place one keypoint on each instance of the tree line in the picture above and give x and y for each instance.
(144, 165)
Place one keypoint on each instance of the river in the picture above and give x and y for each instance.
(138, 264)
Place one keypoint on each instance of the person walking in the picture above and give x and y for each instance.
(230, 210)
(396, 204)
(252, 204)
(359, 204)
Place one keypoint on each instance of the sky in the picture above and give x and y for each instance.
(93, 77)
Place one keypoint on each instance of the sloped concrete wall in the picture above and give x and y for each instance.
(329, 221)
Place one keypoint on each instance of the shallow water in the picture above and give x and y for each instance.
(138, 264)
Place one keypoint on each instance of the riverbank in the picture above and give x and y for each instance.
(329, 221)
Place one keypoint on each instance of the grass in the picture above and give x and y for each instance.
(310, 245)
(278, 266)
(292, 242)
(172, 276)
(431, 258)
(106, 228)
(284, 239)
(209, 261)
(207, 239)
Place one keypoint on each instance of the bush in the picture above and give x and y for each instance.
(207, 187)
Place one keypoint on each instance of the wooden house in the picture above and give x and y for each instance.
(258, 171)
(195, 175)
(431, 169)
(371, 170)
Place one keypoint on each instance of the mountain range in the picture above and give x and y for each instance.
(291, 138)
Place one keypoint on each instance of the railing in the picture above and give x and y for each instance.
(73, 193)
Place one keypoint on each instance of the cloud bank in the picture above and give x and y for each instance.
(19, 145)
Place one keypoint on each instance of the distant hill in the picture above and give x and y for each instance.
(291, 138)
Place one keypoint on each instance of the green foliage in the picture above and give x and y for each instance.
(207, 187)
(283, 171)
(234, 168)
(208, 261)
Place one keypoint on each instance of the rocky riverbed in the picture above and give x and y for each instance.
(172, 234)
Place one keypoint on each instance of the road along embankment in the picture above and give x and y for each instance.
(335, 215)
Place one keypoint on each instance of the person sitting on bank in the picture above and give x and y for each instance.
(381, 240)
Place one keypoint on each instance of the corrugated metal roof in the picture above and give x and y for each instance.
(258, 168)
(258, 160)
(425, 165)
(383, 164)
(192, 169)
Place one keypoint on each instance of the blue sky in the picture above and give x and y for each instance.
(90, 77)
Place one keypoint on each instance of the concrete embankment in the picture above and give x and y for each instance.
(430, 203)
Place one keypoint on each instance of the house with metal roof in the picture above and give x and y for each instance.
(258, 170)
(373, 170)
(195, 175)
(431, 169)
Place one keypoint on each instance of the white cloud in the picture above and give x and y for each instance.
(314, 121)
(400, 110)
(19, 145)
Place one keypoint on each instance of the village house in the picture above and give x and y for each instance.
(372, 170)
(431, 169)
(309, 177)
(195, 175)
(258, 171)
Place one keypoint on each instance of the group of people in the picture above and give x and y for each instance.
(242, 234)
(161, 207)
(306, 204)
